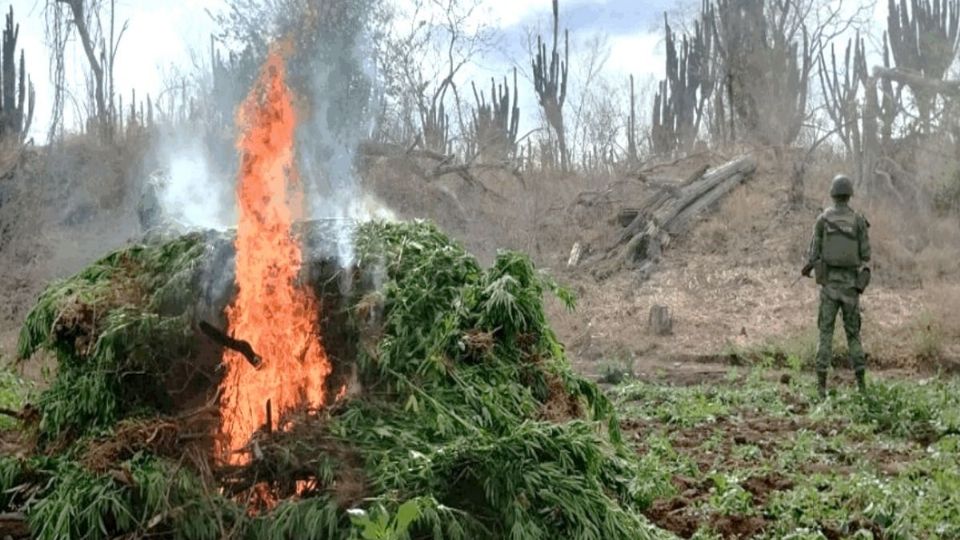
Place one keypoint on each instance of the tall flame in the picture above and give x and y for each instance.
(279, 318)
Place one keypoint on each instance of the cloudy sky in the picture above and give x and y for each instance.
(163, 34)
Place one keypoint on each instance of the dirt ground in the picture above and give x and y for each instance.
(731, 285)
(729, 281)
(58, 213)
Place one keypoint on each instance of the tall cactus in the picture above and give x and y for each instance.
(682, 95)
(16, 92)
(841, 88)
(924, 37)
(864, 124)
(550, 82)
(436, 127)
(495, 124)
(854, 119)
(765, 70)
(890, 102)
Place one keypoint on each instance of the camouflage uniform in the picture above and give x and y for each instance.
(839, 287)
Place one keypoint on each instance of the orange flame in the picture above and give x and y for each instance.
(279, 318)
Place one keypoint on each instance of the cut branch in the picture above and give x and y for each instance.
(239, 345)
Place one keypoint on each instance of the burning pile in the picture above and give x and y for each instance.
(430, 400)
(280, 320)
(462, 411)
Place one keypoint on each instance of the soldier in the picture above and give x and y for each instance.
(838, 250)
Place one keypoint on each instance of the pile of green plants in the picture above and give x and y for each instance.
(468, 421)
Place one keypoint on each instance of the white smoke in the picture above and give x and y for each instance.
(190, 194)
(332, 72)
(338, 75)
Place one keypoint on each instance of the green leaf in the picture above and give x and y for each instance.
(407, 514)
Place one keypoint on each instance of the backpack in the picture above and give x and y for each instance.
(841, 241)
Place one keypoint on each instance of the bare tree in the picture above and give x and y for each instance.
(421, 66)
(100, 48)
(633, 154)
(594, 123)
(600, 127)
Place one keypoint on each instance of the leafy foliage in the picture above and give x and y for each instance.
(114, 327)
(13, 391)
(471, 423)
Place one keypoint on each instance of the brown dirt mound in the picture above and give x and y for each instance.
(762, 486)
(740, 527)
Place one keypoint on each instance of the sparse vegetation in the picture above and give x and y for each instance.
(928, 337)
(947, 197)
(760, 458)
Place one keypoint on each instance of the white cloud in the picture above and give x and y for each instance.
(514, 12)
(640, 53)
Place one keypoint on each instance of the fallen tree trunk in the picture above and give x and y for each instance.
(713, 187)
(665, 213)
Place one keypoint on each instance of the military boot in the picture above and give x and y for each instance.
(861, 383)
(821, 384)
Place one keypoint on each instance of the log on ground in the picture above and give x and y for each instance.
(667, 213)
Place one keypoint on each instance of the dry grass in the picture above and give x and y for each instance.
(11, 151)
(730, 285)
(62, 208)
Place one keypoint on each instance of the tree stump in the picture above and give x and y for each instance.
(660, 322)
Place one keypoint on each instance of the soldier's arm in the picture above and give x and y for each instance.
(816, 242)
(864, 239)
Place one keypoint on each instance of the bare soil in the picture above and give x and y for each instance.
(685, 513)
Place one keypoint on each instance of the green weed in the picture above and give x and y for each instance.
(13, 393)
(883, 465)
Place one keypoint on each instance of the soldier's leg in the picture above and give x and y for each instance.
(826, 316)
(851, 327)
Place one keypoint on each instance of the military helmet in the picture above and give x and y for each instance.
(841, 186)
